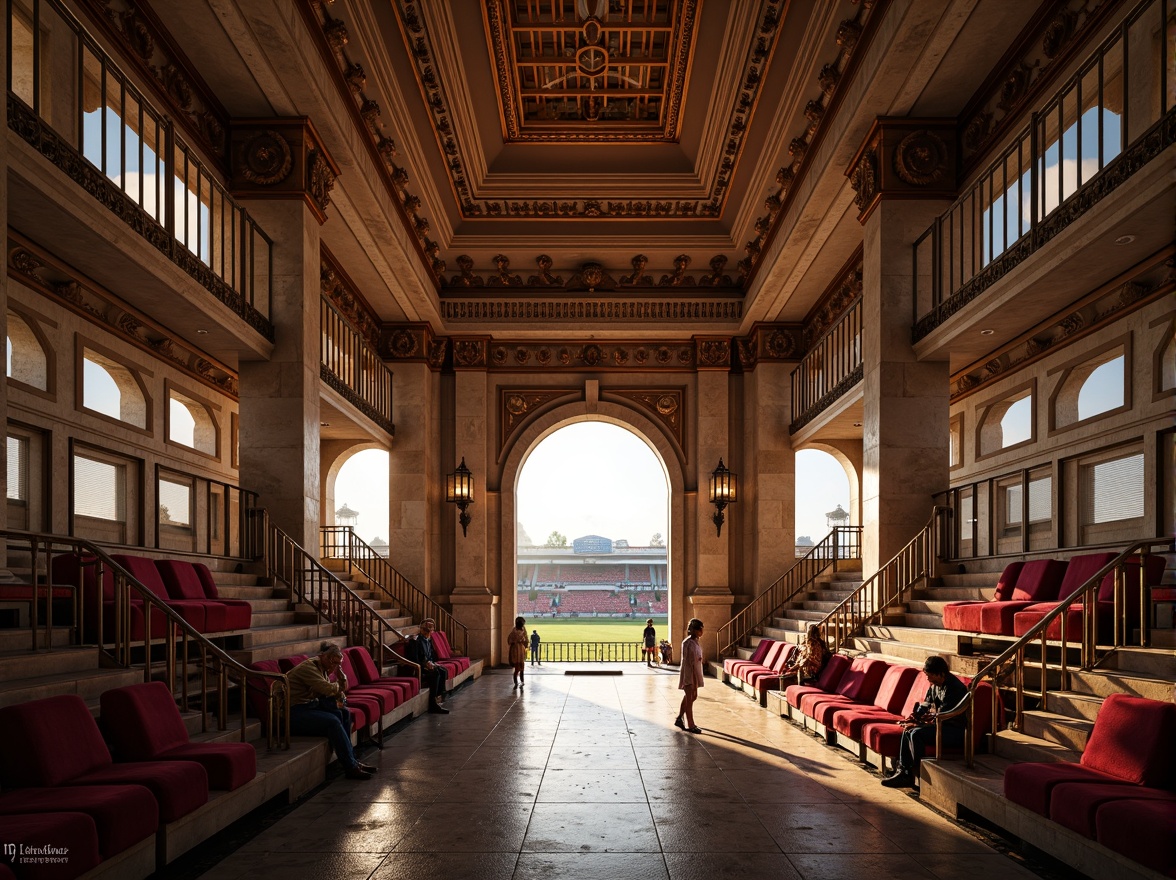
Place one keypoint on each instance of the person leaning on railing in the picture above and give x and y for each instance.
(945, 694)
(318, 706)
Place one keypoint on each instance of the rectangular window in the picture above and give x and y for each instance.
(1113, 490)
(1040, 501)
(175, 503)
(99, 489)
(18, 469)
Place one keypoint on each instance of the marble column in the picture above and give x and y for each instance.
(279, 425)
(414, 500)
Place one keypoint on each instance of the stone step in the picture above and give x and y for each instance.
(797, 614)
(22, 639)
(1016, 746)
(1157, 662)
(927, 606)
(20, 664)
(782, 632)
(837, 596)
(943, 640)
(971, 580)
(265, 635)
(899, 652)
(822, 607)
(1073, 705)
(1069, 732)
(88, 685)
(1101, 683)
(955, 594)
(923, 621)
(277, 650)
(264, 619)
(236, 579)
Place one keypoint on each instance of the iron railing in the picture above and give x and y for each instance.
(889, 585)
(205, 516)
(998, 669)
(1112, 102)
(199, 673)
(591, 652)
(841, 544)
(341, 542)
(354, 368)
(830, 368)
(313, 585)
(58, 72)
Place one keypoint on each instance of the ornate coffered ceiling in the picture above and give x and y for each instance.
(590, 70)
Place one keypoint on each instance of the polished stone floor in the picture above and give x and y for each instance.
(585, 776)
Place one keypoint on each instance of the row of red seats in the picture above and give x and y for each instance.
(370, 695)
(762, 670)
(857, 704)
(1027, 591)
(60, 782)
(1122, 792)
(185, 587)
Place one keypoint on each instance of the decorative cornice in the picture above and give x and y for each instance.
(412, 343)
(1090, 314)
(713, 353)
(1161, 136)
(430, 76)
(342, 291)
(853, 36)
(588, 276)
(150, 48)
(595, 356)
(107, 193)
(835, 301)
(37, 269)
(646, 309)
(1040, 53)
(356, 400)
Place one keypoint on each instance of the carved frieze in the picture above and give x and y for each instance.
(282, 158)
(57, 281)
(845, 290)
(665, 405)
(713, 353)
(266, 158)
(903, 157)
(589, 276)
(344, 294)
(518, 405)
(614, 309)
(470, 353)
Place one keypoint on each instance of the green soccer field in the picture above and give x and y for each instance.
(596, 630)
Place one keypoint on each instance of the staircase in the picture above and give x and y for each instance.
(372, 594)
(829, 591)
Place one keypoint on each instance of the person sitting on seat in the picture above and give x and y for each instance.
(809, 660)
(421, 651)
(318, 706)
(945, 693)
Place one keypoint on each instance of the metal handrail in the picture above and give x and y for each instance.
(312, 584)
(1087, 594)
(341, 542)
(184, 645)
(842, 543)
(889, 584)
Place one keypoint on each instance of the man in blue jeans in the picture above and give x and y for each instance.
(945, 693)
(318, 706)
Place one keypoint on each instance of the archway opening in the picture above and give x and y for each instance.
(824, 498)
(592, 543)
(360, 497)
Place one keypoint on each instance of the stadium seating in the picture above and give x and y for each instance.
(73, 833)
(80, 572)
(1037, 581)
(187, 580)
(897, 684)
(954, 615)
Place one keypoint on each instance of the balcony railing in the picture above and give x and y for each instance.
(1105, 122)
(831, 367)
(69, 99)
(194, 514)
(353, 368)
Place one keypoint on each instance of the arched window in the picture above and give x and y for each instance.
(1093, 387)
(1007, 423)
(111, 389)
(28, 361)
(190, 423)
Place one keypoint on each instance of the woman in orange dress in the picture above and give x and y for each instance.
(518, 641)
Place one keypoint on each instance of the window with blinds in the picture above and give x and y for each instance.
(99, 489)
(18, 469)
(1040, 501)
(175, 503)
(1112, 491)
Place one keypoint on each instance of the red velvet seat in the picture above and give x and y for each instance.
(446, 656)
(365, 668)
(79, 571)
(123, 814)
(73, 832)
(189, 581)
(1074, 804)
(732, 665)
(770, 673)
(144, 571)
(1142, 830)
(857, 686)
(365, 711)
(388, 698)
(1131, 743)
(770, 659)
(143, 723)
(896, 685)
(1023, 621)
(1039, 581)
(56, 741)
(965, 616)
(826, 682)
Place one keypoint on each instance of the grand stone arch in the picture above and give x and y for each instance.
(847, 453)
(515, 459)
(333, 454)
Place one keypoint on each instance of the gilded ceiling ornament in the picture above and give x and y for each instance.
(522, 356)
(779, 344)
(864, 180)
(516, 404)
(591, 355)
(498, 355)
(356, 77)
(544, 278)
(921, 158)
(137, 35)
(336, 34)
(679, 278)
(543, 357)
(1015, 86)
(1072, 323)
(663, 355)
(848, 34)
(667, 404)
(828, 79)
(403, 343)
(620, 357)
(994, 367)
(467, 278)
(714, 352)
(504, 278)
(266, 158)
(369, 112)
(1057, 34)
(319, 179)
(469, 352)
(640, 356)
(565, 356)
(967, 382)
(24, 262)
(716, 278)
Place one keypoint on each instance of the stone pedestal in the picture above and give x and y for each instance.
(711, 605)
(475, 608)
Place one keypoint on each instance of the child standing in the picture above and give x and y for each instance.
(517, 641)
(690, 675)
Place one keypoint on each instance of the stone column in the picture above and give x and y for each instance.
(904, 179)
(283, 161)
(710, 597)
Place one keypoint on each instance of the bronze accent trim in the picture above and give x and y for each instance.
(56, 280)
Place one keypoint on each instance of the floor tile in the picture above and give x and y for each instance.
(591, 866)
(584, 828)
(458, 865)
(730, 866)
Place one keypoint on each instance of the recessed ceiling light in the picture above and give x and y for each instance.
(1125, 239)
(201, 332)
(857, 424)
(324, 424)
(987, 332)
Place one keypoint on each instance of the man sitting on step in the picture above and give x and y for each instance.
(318, 706)
(944, 694)
(420, 650)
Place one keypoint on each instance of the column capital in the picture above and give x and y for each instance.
(282, 158)
(905, 158)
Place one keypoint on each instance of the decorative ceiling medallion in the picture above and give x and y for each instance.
(607, 70)
(921, 158)
(266, 159)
